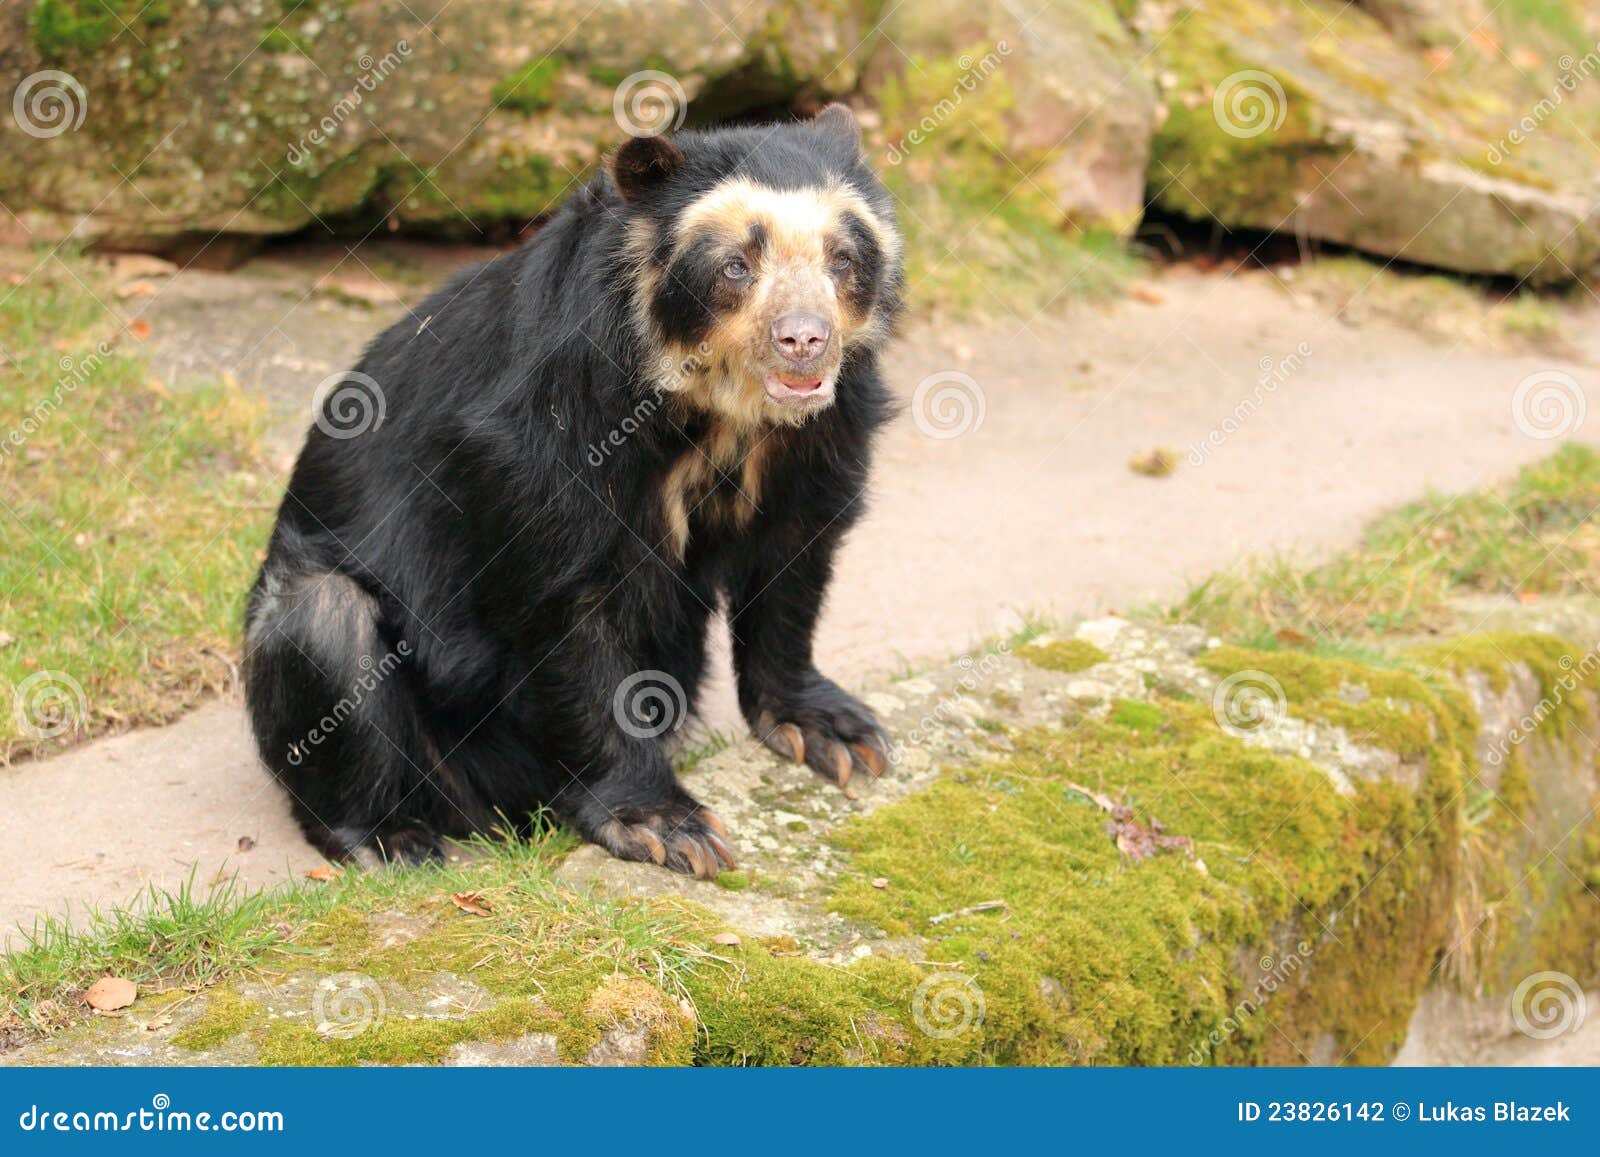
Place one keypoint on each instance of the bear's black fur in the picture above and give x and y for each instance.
(467, 600)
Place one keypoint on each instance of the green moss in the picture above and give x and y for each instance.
(1137, 715)
(1066, 655)
(734, 881)
(397, 1040)
(64, 27)
(1245, 178)
(530, 88)
(227, 1015)
(280, 39)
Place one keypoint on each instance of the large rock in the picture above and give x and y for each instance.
(268, 116)
(1072, 112)
(1316, 117)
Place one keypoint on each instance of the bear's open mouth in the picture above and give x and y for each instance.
(800, 389)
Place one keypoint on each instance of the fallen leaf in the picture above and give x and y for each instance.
(155, 1023)
(323, 873)
(729, 938)
(881, 882)
(128, 266)
(1149, 296)
(111, 993)
(1157, 463)
(136, 289)
(246, 843)
(472, 903)
(1291, 636)
(140, 329)
(1527, 598)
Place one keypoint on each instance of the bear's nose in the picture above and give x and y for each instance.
(800, 336)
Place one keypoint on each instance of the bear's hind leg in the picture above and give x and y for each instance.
(336, 721)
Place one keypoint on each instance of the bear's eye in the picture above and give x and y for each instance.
(736, 270)
(840, 263)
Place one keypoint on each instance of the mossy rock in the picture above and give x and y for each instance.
(1204, 854)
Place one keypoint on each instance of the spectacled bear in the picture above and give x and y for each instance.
(491, 594)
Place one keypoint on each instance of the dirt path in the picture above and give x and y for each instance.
(1033, 509)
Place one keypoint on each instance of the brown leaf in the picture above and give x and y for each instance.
(1291, 636)
(155, 1023)
(881, 882)
(136, 289)
(140, 329)
(729, 938)
(1149, 296)
(323, 873)
(472, 903)
(111, 993)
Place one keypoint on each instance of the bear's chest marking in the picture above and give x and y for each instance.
(714, 485)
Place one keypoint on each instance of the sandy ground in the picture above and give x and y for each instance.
(1033, 509)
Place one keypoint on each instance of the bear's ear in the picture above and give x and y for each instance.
(642, 164)
(839, 121)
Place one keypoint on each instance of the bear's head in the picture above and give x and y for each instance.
(760, 261)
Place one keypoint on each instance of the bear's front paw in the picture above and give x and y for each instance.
(829, 730)
(678, 834)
